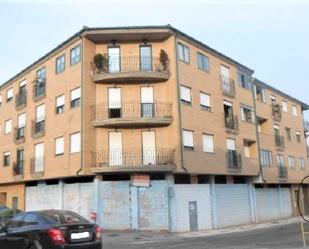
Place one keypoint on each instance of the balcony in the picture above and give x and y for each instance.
(231, 124)
(131, 70)
(234, 162)
(279, 142)
(18, 169)
(39, 89)
(38, 128)
(19, 135)
(21, 100)
(132, 114)
(37, 166)
(228, 87)
(282, 172)
(276, 112)
(134, 160)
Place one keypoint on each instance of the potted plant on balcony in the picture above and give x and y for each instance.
(164, 60)
(100, 62)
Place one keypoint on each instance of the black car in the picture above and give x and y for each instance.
(50, 229)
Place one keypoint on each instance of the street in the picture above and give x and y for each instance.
(273, 237)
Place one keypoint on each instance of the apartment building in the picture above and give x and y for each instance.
(113, 103)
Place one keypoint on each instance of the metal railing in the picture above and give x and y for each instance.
(38, 128)
(231, 122)
(133, 157)
(106, 111)
(276, 111)
(233, 159)
(283, 172)
(39, 89)
(21, 99)
(18, 168)
(133, 64)
(19, 134)
(279, 141)
(228, 86)
(37, 165)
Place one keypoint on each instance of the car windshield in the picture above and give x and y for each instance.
(64, 217)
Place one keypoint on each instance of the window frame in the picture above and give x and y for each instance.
(6, 154)
(205, 107)
(75, 103)
(181, 50)
(61, 67)
(74, 62)
(202, 58)
(60, 106)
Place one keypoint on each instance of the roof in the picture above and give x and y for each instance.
(263, 84)
(87, 29)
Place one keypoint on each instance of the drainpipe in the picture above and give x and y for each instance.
(179, 107)
(82, 109)
(256, 129)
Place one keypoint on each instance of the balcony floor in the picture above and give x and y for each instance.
(129, 169)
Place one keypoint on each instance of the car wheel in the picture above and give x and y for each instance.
(35, 245)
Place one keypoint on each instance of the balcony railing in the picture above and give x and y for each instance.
(132, 113)
(276, 112)
(132, 68)
(279, 141)
(283, 172)
(37, 166)
(228, 86)
(231, 123)
(18, 168)
(19, 135)
(39, 89)
(38, 128)
(133, 158)
(233, 160)
(21, 99)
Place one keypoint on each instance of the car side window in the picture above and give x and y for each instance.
(30, 220)
(15, 222)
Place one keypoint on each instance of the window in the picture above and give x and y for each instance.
(9, 95)
(60, 64)
(39, 158)
(266, 158)
(6, 158)
(41, 73)
(0, 100)
(205, 101)
(188, 139)
(75, 142)
(298, 138)
(244, 81)
(202, 62)
(280, 160)
(291, 162)
(75, 55)
(40, 113)
(302, 163)
(260, 94)
(8, 126)
(247, 114)
(60, 104)
(208, 143)
(284, 106)
(185, 94)
(75, 98)
(288, 133)
(59, 146)
(294, 110)
(183, 53)
(21, 124)
(231, 144)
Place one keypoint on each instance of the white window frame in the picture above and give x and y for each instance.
(183, 53)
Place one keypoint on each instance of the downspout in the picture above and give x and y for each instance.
(179, 108)
(82, 109)
(256, 129)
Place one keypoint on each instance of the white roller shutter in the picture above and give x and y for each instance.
(22, 120)
(185, 93)
(230, 144)
(75, 143)
(149, 147)
(147, 94)
(9, 93)
(60, 101)
(40, 113)
(188, 140)
(205, 99)
(75, 94)
(115, 148)
(59, 145)
(22, 83)
(208, 143)
(114, 98)
(39, 157)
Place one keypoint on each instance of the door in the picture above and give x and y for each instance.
(114, 59)
(20, 160)
(2, 199)
(115, 149)
(145, 58)
(193, 216)
(114, 102)
(149, 147)
(147, 105)
(39, 158)
(225, 77)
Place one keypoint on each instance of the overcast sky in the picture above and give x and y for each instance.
(271, 37)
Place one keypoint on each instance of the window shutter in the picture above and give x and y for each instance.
(188, 138)
(22, 83)
(60, 101)
(40, 113)
(205, 99)
(208, 143)
(185, 93)
(39, 157)
(75, 142)
(147, 94)
(114, 98)
(75, 94)
(10, 93)
(21, 120)
(59, 145)
(230, 144)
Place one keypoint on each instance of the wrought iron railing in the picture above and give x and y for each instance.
(133, 64)
(105, 111)
(231, 122)
(19, 134)
(18, 168)
(228, 86)
(21, 99)
(38, 128)
(279, 141)
(276, 111)
(233, 159)
(283, 172)
(133, 157)
(39, 89)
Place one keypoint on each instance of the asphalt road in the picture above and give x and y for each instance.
(275, 237)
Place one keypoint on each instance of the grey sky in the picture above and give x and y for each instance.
(271, 37)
